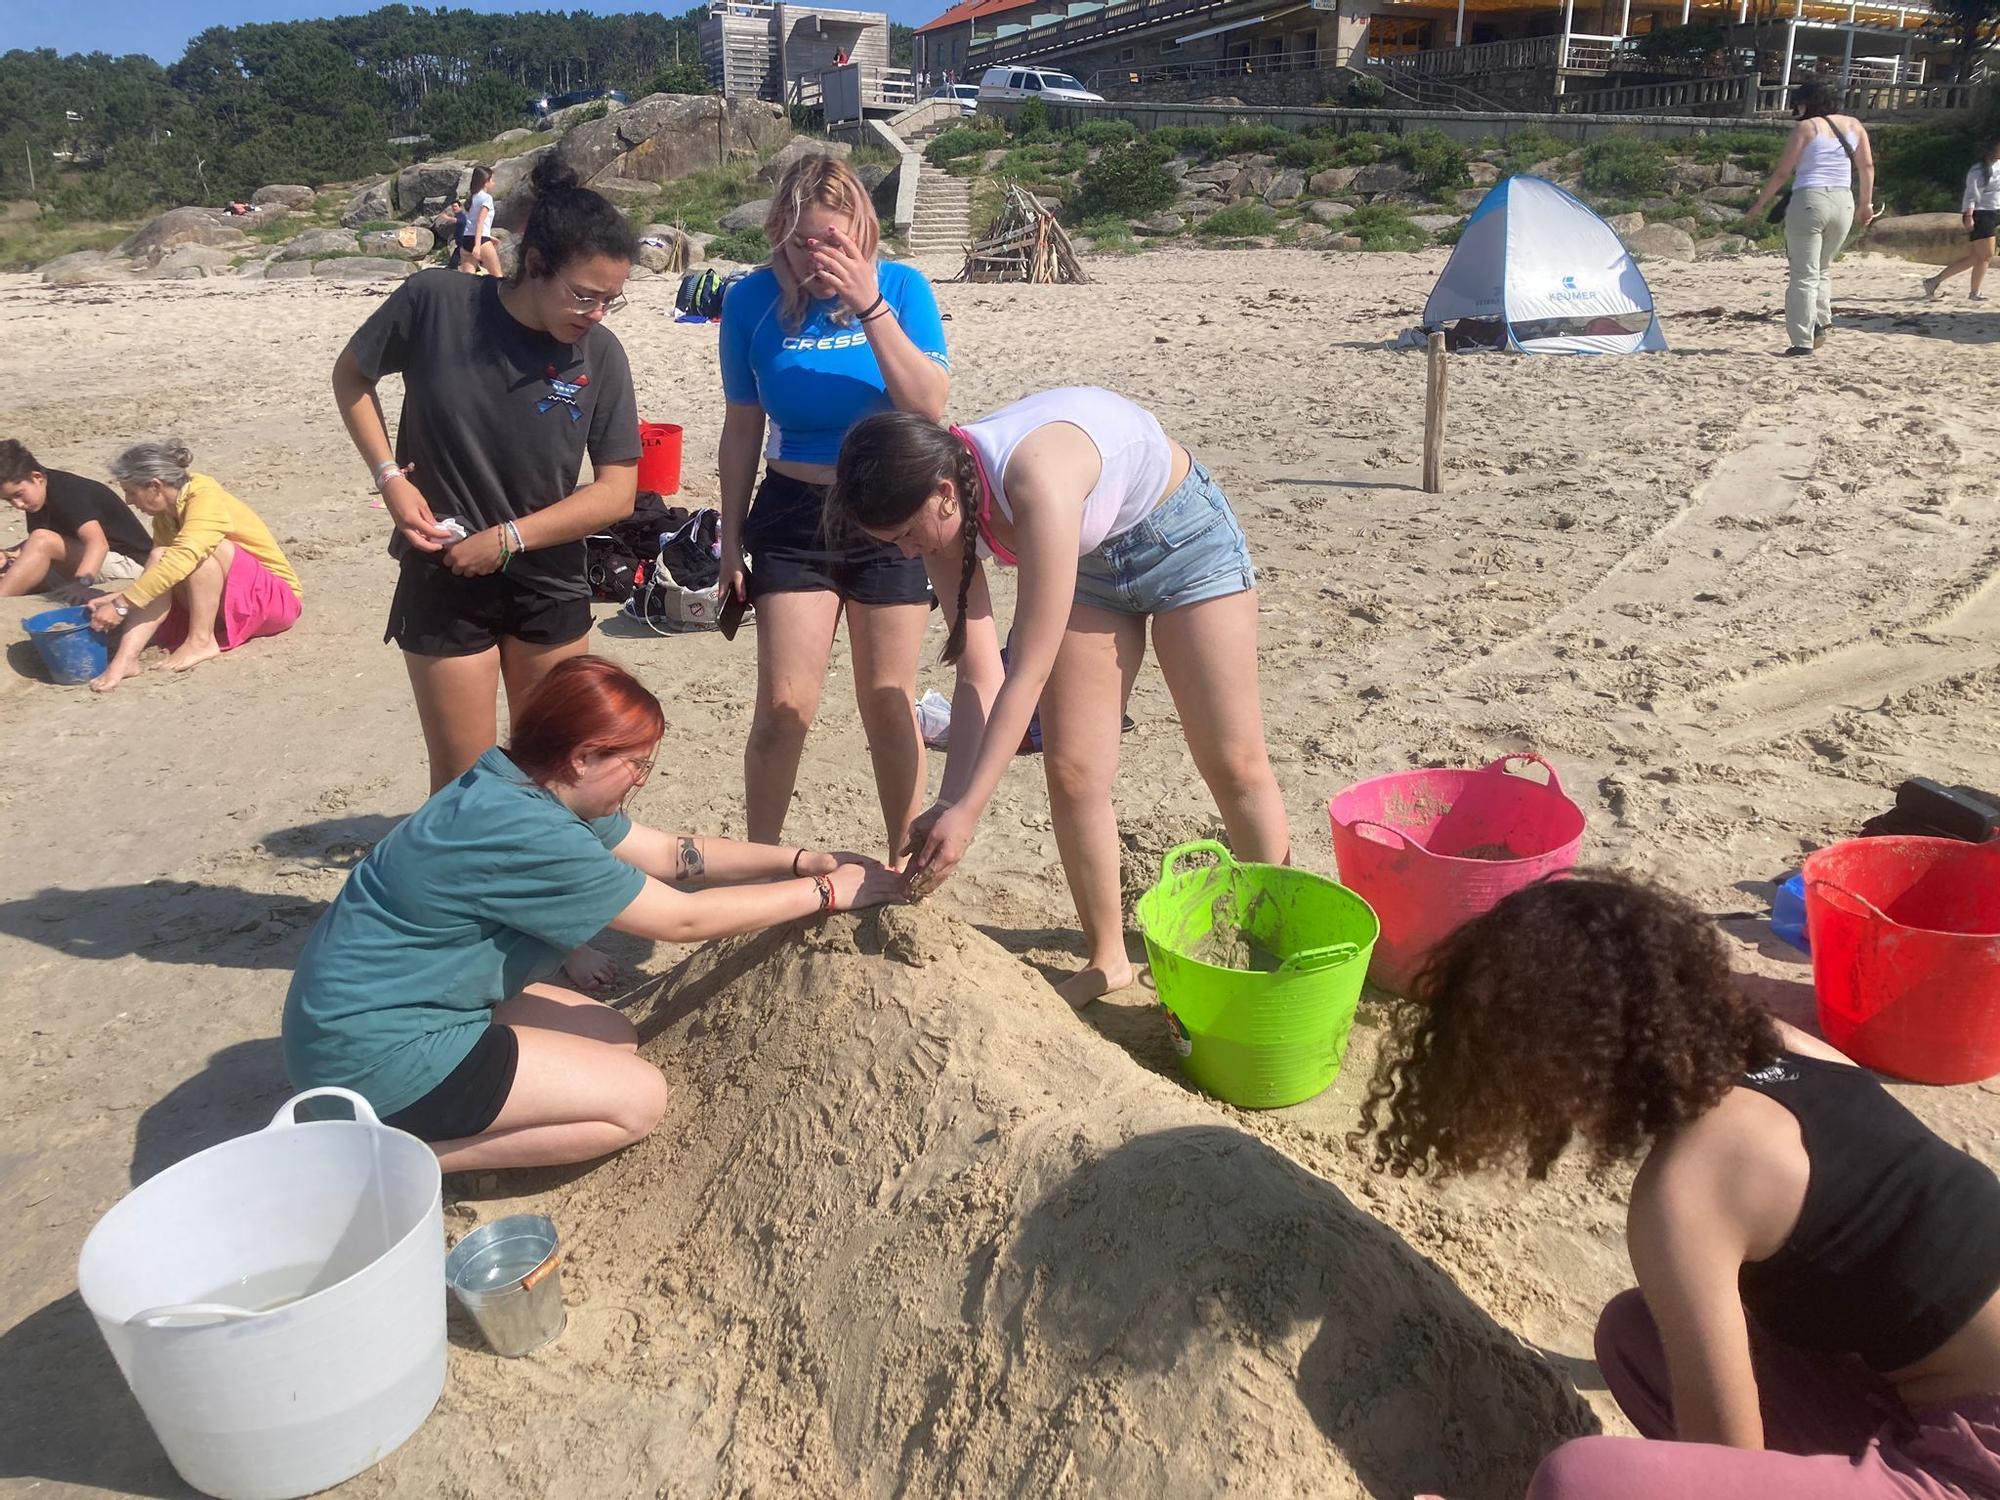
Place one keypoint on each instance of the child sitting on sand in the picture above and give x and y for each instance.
(76, 527)
(216, 578)
(1816, 1313)
(432, 985)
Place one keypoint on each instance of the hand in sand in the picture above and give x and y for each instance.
(412, 514)
(938, 840)
(587, 968)
(863, 883)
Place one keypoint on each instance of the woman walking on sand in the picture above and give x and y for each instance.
(1980, 209)
(428, 985)
(813, 342)
(1821, 160)
(215, 577)
(1112, 525)
(506, 387)
(1818, 1309)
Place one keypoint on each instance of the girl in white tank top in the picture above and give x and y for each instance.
(1111, 524)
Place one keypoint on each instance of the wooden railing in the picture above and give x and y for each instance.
(1209, 69)
(880, 88)
(1481, 57)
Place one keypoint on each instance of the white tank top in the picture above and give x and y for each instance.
(1137, 459)
(1823, 163)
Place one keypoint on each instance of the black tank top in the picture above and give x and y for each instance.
(1898, 1243)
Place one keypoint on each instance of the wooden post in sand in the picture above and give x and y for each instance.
(1434, 380)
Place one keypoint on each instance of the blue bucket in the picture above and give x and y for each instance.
(71, 650)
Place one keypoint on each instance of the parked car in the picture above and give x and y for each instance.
(1035, 83)
(548, 104)
(965, 94)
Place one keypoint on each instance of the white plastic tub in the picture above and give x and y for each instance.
(277, 1303)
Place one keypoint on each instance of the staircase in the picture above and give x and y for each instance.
(943, 220)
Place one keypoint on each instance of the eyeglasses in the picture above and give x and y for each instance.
(642, 766)
(585, 302)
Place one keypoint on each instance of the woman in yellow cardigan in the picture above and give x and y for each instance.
(215, 577)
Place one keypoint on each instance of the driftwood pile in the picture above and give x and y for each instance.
(1024, 244)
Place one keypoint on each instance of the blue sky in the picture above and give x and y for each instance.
(163, 27)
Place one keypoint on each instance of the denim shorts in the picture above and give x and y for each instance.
(1188, 550)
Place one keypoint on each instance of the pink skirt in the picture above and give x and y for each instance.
(255, 601)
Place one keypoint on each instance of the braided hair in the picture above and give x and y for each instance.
(890, 466)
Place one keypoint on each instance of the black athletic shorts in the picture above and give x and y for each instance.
(1984, 222)
(437, 613)
(468, 1101)
(788, 554)
(465, 241)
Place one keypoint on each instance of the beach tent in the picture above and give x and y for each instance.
(1537, 272)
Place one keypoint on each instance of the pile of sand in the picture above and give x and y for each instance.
(909, 1228)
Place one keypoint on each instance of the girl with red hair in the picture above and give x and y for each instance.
(427, 985)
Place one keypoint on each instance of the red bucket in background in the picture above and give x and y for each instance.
(1431, 850)
(1906, 954)
(660, 458)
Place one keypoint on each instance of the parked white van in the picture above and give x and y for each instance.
(1035, 83)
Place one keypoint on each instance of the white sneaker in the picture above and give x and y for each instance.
(1975, 296)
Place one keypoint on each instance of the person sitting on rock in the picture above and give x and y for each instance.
(1818, 1308)
(433, 986)
(216, 577)
(76, 528)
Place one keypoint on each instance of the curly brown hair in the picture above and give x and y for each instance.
(1594, 1005)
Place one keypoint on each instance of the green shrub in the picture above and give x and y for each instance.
(595, 111)
(1031, 122)
(741, 244)
(1103, 132)
(1245, 140)
(1527, 147)
(1758, 150)
(1626, 164)
(1306, 152)
(1204, 141)
(1237, 220)
(1108, 232)
(1129, 178)
(1919, 168)
(682, 78)
(1365, 91)
(1381, 227)
(1682, 43)
(1437, 161)
(1361, 148)
(962, 140)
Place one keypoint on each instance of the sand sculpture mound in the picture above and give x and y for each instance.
(910, 1228)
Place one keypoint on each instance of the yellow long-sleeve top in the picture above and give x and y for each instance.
(205, 516)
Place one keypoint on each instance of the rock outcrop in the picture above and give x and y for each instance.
(183, 226)
(664, 137)
(1928, 239)
(290, 195)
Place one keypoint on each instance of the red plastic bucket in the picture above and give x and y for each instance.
(1430, 850)
(1906, 954)
(660, 458)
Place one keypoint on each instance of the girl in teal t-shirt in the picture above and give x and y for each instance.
(432, 985)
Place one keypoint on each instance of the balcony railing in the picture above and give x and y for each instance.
(1092, 25)
(839, 88)
(1481, 57)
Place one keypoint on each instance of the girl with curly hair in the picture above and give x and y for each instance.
(1816, 1312)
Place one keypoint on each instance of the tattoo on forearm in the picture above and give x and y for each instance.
(689, 865)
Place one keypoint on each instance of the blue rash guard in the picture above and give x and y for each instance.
(816, 383)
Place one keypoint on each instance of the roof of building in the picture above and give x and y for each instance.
(977, 10)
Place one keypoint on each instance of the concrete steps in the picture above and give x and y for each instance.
(943, 220)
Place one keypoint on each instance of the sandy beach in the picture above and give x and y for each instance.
(909, 1226)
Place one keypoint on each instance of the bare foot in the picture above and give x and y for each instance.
(1095, 982)
(588, 968)
(111, 676)
(192, 654)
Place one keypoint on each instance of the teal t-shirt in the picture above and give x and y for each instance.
(480, 891)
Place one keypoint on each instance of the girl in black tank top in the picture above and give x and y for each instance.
(1866, 1252)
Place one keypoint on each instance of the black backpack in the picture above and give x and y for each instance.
(617, 560)
(701, 292)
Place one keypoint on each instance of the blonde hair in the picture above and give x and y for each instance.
(828, 182)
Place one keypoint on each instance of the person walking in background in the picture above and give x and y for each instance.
(821, 337)
(1821, 160)
(506, 387)
(216, 576)
(1980, 209)
(476, 250)
(77, 528)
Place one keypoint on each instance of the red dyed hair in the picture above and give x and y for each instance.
(585, 704)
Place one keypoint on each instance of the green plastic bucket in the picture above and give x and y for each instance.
(1260, 1024)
